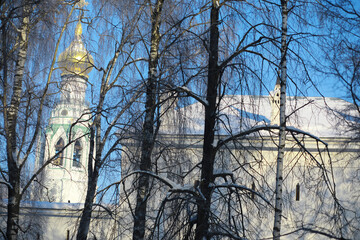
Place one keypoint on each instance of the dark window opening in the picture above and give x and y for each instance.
(253, 191)
(58, 161)
(77, 154)
(297, 197)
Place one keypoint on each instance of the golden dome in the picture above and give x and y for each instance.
(76, 59)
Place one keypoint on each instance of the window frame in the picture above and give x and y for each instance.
(77, 154)
(59, 146)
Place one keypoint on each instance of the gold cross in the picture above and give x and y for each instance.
(82, 3)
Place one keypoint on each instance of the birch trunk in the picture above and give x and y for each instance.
(96, 147)
(282, 136)
(10, 118)
(93, 174)
(208, 157)
(148, 137)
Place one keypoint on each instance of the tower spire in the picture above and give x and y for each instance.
(275, 102)
(78, 29)
(76, 60)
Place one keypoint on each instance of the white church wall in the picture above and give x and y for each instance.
(254, 161)
(59, 221)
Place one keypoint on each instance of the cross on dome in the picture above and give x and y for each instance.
(82, 3)
(76, 59)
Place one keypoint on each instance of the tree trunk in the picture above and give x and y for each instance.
(148, 127)
(93, 174)
(282, 136)
(208, 158)
(10, 117)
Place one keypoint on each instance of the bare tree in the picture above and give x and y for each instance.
(342, 19)
(208, 159)
(282, 132)
(148, 134)
(340, 62)
(105, 124)
(22, 108)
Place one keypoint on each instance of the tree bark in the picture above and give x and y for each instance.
(209, 150)
(10, 117)
(282, 136)
(148, 127)
(93, 174)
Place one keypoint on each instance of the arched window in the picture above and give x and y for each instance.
(58, 147)
(77, 154)
(297, 193)
(253, 191)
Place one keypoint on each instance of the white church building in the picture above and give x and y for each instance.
(321, 182)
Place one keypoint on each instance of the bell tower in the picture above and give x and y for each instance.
(66, 137)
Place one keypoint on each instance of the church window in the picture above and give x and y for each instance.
(297, 194)
(253, 191)
(58, 161)
(64, 112)
(77, 154)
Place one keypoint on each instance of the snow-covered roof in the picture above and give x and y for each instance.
(323, 117)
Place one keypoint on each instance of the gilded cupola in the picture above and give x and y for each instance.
(76, 59)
